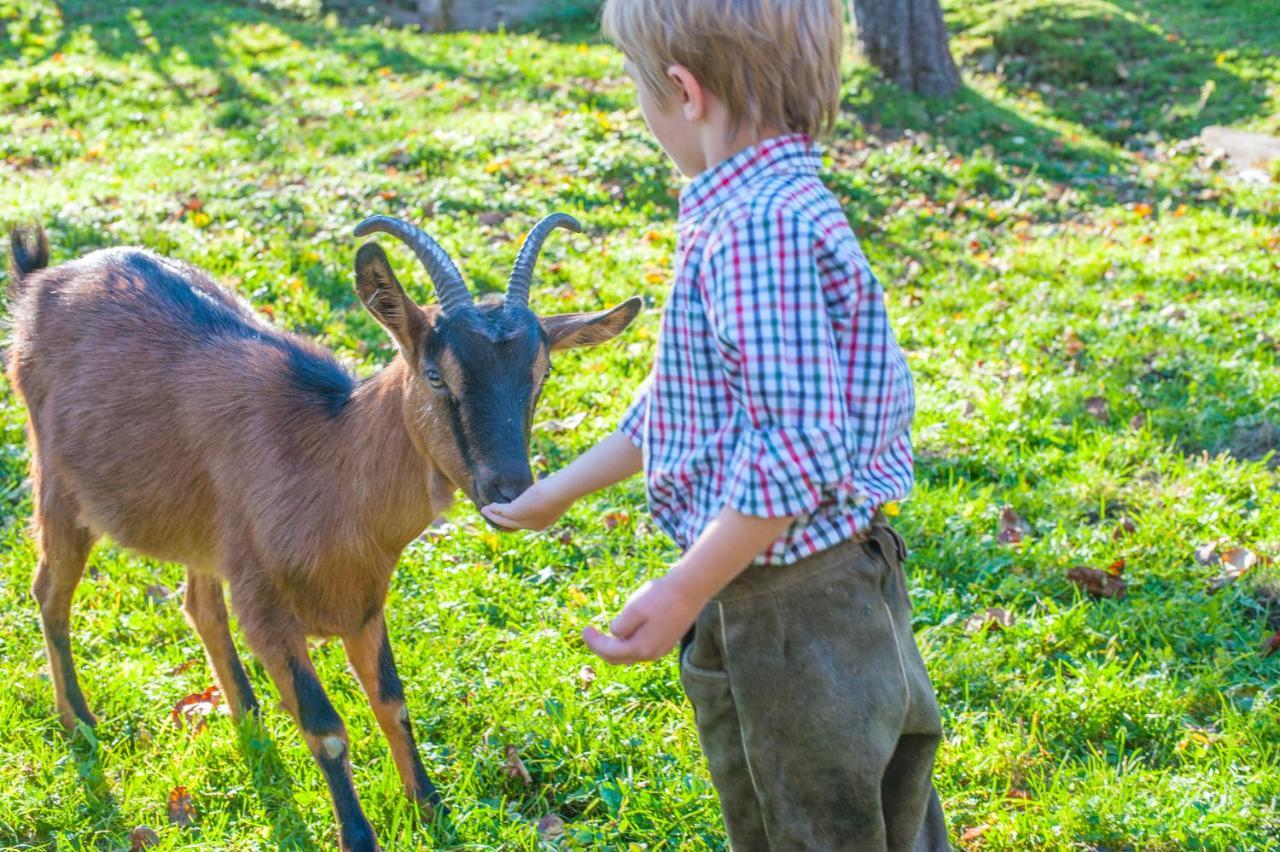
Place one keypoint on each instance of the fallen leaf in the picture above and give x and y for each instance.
(1097, 582)
(182, 667)
(493, 217)
(142, 838)
(566, 536)
(195, 708)
(1235, 562)
(1116, 568)
(1072, 342)
(1143, 209)
(181, 812)
(1207, 554)
(613, 520)
(551, 828)
(1012, 527)
(157, 593)
(995, 618)
(1271, 645)
(1096, 407)
(514, 766)
(567, 424)
(586, 676)
(971, 834)
(1015, 793)
(1137, 421)
(1124, 528)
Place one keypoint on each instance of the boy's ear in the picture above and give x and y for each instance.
(566, 331)
(387, 300)
(692, 100)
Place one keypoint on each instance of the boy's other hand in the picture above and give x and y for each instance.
(537, 508)
(651, 623)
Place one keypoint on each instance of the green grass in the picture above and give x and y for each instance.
(1046, 237)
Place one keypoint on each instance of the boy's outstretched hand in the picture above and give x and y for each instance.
(656, 617)
(649, 626)
(537, 508)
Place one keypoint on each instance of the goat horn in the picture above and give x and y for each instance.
(451, 290)
(522, 270)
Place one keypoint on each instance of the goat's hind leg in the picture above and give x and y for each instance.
(207, 611)
(64, 547)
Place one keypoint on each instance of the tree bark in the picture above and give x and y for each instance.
(907, 41)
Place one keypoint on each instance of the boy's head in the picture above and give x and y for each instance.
(760, 66)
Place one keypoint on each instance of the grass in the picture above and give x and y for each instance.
(1048, 237)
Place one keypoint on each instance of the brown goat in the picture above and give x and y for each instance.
(165, 414)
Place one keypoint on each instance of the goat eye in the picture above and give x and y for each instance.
(433, 376)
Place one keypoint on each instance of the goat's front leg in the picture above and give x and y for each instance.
(370, 655)
(282, 648)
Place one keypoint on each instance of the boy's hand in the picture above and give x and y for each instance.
(652, 622)
(537, 508)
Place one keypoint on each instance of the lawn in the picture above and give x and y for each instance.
(1088, 302)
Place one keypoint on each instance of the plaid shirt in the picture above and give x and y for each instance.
(778, 387)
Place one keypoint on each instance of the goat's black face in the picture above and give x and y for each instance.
(477, 373)
(485, 371)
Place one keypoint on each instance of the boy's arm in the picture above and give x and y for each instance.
(659, 614)
(612, 460)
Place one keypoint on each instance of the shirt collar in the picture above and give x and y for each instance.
(790, 154)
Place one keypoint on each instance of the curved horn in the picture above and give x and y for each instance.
(522, 270)
(451, 290)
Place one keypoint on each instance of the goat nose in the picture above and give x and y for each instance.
(509, 488)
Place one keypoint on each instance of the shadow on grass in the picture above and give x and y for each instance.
(274, 786)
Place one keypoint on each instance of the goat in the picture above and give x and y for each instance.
(165, 414)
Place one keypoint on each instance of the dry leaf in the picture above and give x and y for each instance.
(493, 217)
(551, 828)
(1235, 562)
(586, 676)
(195, 707)
(1116, 568)
(1096, 407)
(142, 838)
(971, 834)
(995, 618)
(1124, 528)
(181, 813)
(1012, 527)
(1137, 421)
(566, 536)
(567, 424)
(1015, 793)
(182, 667)
(1095, 582)
(615, 519)
(1207, 554)
(1272, 644)
(158, 594)
(514, 766)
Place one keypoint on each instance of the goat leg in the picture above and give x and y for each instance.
(282, 648)
(207, 612)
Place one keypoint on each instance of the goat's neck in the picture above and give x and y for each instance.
(398, 491)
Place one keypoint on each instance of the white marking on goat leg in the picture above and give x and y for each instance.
(403, 715)
(334, 747)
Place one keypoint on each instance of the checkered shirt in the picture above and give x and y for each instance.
(778, 388)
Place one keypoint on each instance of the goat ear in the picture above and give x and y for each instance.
(569, 330)
(387, 300)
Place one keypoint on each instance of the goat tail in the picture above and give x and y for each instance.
(28, 252)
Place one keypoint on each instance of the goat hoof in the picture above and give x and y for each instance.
(360, 839)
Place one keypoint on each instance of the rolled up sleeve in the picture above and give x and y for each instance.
(775, 335)
(633, 420)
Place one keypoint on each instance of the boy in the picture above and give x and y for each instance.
(774, 425)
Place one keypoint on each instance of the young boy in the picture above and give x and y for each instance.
(773, 427)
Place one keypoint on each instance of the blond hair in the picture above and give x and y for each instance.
(773, 63)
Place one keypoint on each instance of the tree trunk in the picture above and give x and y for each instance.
(907, 41)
